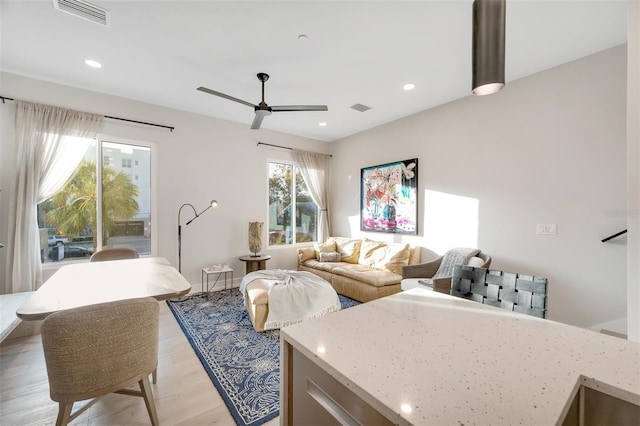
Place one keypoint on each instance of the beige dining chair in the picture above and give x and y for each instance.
(114, 254)
(96, 350)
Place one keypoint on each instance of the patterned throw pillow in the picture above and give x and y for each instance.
(327, 247)
(330, 256)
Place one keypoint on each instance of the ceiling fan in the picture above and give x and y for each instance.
(262, 109)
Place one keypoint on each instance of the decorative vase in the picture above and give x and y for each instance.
(389, 212)
(255, 237)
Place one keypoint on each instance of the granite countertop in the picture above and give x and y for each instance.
(422, 357)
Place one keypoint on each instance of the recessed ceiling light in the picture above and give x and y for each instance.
(92, 63)
(303, 37)
(322, 124)
(409, 86)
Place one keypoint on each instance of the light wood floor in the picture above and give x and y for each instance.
(184, 393)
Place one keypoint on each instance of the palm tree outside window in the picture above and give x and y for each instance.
(90, 217)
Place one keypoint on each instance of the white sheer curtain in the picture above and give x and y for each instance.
(315, 171)
(70, 153)
(47, 155)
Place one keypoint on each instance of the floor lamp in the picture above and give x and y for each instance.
(213, 203)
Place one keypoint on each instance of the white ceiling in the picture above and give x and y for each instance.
(356, 52)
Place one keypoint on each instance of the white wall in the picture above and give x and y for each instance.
(548, 149)
(633, 172)
(203, 158)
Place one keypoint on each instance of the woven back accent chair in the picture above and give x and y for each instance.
(114, 254)
(515, 292)
(428, 270)
(100, 349)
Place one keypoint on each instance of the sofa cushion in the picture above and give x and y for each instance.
(329, 256)
(349, 248)
(323, 266)
(365, 274)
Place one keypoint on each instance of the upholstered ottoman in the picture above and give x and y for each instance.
(276, 298)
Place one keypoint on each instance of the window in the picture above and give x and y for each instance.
(86, 217)
(293, 215)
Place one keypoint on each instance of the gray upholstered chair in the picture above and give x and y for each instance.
(427, 272)
(100, 349)
(114, 254)
(507, 290)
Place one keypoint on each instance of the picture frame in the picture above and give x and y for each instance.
(389, 198)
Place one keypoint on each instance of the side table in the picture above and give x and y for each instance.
(255, 263)
(218, 271)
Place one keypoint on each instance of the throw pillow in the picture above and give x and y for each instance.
(414, 255)
(349, 248)
(396, 255)
(329, 246)
(329, 257)
(371, 252)
(306, 253)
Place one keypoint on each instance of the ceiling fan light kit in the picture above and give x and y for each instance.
(488, 46)
(263, 109)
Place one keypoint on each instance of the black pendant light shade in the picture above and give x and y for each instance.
(488, 46)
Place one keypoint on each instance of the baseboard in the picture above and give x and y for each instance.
(614, 334)
(618, 325)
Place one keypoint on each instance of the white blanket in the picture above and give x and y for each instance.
(296, 296)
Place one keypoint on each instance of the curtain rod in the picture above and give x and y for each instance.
(113, 118)
(286, 147)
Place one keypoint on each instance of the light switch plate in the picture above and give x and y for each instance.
(546, 229)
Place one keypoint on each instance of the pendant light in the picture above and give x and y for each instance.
(488, 46)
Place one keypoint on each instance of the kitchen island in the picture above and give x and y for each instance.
(424, 358)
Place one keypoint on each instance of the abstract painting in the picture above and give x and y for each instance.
(389, 197)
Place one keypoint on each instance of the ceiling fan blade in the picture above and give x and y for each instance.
(257, 121)
(222, 95)
(299, 108)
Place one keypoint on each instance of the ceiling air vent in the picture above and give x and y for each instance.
(360, 107)
(83, 10)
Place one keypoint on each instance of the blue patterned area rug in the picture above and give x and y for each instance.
(243, 365)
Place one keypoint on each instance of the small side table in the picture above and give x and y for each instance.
(255, 263)
(219, 272)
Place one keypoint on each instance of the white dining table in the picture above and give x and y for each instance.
(83, 284)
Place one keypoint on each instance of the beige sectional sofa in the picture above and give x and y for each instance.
(361, 269)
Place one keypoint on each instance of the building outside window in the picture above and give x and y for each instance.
(293, 214)
(84, 217)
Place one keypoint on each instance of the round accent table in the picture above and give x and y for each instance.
(255, 263)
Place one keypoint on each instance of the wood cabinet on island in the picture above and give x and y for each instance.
(424, 358)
